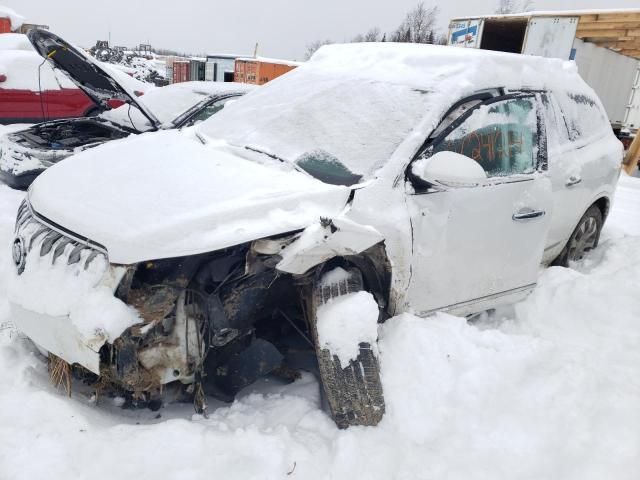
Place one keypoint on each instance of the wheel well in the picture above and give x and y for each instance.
(603, 204)
(376, 271)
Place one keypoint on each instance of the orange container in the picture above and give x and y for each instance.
(260, 71)
(5, 25)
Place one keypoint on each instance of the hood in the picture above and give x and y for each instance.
(84, 72)
(165, 194)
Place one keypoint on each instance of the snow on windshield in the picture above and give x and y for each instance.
(360, 122)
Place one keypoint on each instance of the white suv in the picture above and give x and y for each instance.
(428, 178)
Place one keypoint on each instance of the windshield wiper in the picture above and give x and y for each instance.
(270, 155)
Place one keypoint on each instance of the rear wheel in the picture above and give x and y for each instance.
(584, 238)
(354, 391)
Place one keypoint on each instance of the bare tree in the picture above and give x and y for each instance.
(418, 26)
(373, 35)
(514, 6)
(313, 46)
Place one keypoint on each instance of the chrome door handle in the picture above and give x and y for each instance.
(527, 214)
(573, 180)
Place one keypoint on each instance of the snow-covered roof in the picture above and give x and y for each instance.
(15, 19)
(358, 102)
(15, 41)
(277, 61)
(555, 13)
(22, 68)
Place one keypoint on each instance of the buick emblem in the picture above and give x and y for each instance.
(19, 254)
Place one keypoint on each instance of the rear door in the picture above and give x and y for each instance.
(473, 246)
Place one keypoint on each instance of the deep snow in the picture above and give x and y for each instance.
(547, 389)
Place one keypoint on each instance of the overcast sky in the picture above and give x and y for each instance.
(281, 27)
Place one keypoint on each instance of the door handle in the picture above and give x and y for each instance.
(573, 180)
(527, 214)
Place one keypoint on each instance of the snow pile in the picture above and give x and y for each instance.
(15, 19)
(123, 78)
(548, 389)
(83, 294)
(345, 322)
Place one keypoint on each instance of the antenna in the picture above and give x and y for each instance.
(255, 51)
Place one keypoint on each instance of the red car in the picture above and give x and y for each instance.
(23, 77)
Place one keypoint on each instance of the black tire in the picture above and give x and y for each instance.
(584, 238)
(353, 392)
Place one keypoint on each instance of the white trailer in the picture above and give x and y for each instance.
(605, 45)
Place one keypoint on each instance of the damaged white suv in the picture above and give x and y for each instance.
(381, 178)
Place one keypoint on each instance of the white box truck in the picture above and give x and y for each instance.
(605, 45)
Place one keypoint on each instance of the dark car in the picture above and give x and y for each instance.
(27, 153)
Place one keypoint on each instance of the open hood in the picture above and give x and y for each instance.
(165, 194)
(84, 72)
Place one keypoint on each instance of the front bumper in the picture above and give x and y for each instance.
(58, 335)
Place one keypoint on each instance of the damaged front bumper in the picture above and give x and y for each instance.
(58, 335)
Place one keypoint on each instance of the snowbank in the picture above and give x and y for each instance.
(548, 389)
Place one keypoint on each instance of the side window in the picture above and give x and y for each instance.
(584, 117)
(206, 112)
(501, 136)
(556, 126)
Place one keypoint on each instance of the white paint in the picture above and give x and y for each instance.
(550, 37)
(610, 74)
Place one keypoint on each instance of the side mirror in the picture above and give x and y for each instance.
(449, 169)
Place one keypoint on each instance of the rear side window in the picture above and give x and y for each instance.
(584, 117)
(501, 136)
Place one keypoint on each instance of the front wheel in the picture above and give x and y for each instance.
(584, 238)
(353, 388)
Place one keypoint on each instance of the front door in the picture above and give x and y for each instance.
(473, 246)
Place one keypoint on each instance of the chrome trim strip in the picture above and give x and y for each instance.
(65, 233)
(477, 300)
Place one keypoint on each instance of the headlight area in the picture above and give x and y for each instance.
(213, 324)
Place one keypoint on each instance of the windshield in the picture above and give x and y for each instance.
(169, 103)
(332, 126)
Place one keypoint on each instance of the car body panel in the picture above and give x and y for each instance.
(468, 246)
(231, 199)
(26, 106)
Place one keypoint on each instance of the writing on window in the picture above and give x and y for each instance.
(501, 137)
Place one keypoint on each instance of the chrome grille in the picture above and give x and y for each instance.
(37, 232)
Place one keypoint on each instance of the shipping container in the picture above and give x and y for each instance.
(5, 25)
(259, 71)
(180, 71)
(196, 70)
(220, 68)
(584, 36)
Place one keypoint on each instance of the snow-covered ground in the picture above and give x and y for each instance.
(548, 389)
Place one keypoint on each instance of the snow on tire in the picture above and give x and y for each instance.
(344, 319)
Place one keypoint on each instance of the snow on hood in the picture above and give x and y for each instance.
(165, 194)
